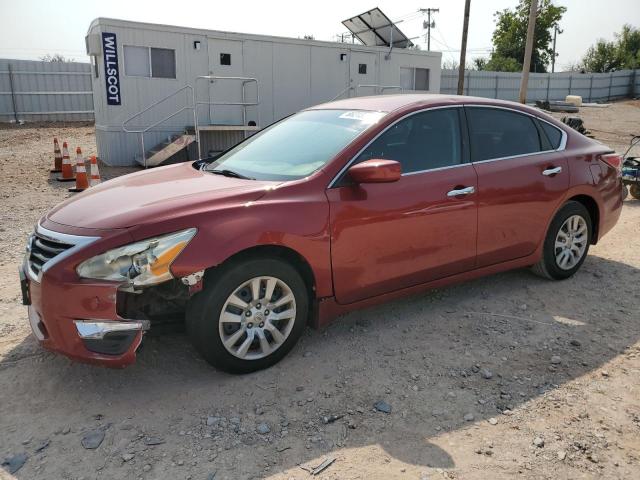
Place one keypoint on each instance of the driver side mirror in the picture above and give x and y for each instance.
(376, 171)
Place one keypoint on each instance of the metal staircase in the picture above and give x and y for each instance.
(216, 138)
(210, 137)
(172, 150)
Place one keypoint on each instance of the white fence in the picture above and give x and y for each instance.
(592, 87)
(45, 91)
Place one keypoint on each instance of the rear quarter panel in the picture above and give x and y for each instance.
(592, 177)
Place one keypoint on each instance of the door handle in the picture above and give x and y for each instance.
(461, 191)
(551, 171)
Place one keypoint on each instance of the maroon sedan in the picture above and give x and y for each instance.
(337, 207)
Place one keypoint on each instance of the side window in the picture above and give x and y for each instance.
(497, 133)
(423, 141)
(553, 134)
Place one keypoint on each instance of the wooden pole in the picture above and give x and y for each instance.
(526, 65)
(463, 49)
(13, 94)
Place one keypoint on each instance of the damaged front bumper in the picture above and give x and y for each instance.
(109, 338)
(72, 316)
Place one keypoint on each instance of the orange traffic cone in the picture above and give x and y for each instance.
(67, 169)
(57, 157)
(82, 182)
(95, 173)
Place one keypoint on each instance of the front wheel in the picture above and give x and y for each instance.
(567, 242)
(634, 190)
(250, 315)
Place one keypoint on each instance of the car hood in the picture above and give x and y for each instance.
(154, 195)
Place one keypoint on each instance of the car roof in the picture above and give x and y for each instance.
(390, 103)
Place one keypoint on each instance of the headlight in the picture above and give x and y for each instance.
(141, 263)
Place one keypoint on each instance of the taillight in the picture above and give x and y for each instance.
(613, 160)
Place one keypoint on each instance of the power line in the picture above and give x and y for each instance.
(429, 23)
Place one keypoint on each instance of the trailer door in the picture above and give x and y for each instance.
(363, 69)
(225, 60)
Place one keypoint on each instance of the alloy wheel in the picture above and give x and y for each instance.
(571, 242)
(257, 318)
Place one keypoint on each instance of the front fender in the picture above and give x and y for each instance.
(299, 222)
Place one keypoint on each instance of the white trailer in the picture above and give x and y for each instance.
(157, 84)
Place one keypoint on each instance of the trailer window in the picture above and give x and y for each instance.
(414, 78)
(136, 61)
(362, 68)
(149, 62)
(163, 63)
(225, 59)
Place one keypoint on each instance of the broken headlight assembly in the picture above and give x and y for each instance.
(139, 264)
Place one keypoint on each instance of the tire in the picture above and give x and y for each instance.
(246, 316)
(554, 264)
(625, 192)
(634, 190)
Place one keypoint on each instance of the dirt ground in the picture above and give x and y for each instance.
(507, 376)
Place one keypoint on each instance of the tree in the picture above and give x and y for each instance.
(510, 36)
(620, 54)
(450, 65)
(504, 64)
(480, 63)
(56, 57)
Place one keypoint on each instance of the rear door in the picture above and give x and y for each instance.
(521, 182)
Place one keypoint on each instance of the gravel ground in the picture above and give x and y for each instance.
(506, 376)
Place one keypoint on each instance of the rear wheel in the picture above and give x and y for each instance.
(634, 190)
(249, 315)
(567, 242)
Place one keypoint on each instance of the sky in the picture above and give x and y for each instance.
(30, 29)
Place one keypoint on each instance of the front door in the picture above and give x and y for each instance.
(389, 236)
(521, 182)
(225, 60)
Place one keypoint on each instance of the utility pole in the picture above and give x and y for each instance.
(463, 48)
(428, 23)
(556, 31)
(526, 64)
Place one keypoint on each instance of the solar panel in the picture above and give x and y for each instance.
(374, 28)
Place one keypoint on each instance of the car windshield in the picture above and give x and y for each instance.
(295, 147)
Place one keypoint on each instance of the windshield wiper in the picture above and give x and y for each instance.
(230, 173)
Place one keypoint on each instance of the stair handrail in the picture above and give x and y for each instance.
(142, 131)
(244, 104)
(381, 88)
(342, 92)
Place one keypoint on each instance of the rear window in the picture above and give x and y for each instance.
(497, 133)
(553, 134)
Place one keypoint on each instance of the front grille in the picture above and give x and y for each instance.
(42, 250)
